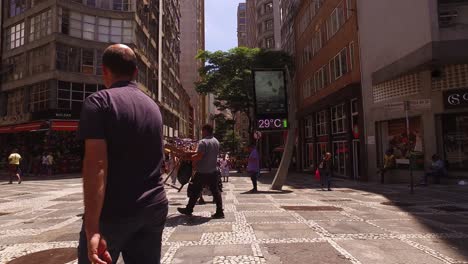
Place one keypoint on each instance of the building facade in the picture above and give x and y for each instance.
(328, 86)
(192, 39)
(425, 73)
(263, 24)
(51, 61)
(242, 25)
(288, 9)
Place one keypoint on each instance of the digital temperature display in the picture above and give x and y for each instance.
(272, 123)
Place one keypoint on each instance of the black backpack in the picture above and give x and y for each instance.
(185, 172)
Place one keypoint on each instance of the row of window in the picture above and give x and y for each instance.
(326, 31)
(118, 5)
(73, 59)
(41, 26)
(34, 62)
(95, 28)
(336, 68)
(337, 115)
(17, 7)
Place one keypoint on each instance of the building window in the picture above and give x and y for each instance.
(39, 97)
(322, 148)
(335, 21)
(269, 24)
(16, 7)
(321, 123)
(339, 64)
(316, 42)
(270, 43)
(91, 3)
(321, 78)
(351, 55)
(340, 157)
(84, 26)
(15, 102)
(338, 119)
(89, 26)
(87, 61)
(70, 96)
(309, 127)
(99, 62)
(40, 60)
(41, 25)
(309, 156)
(68, 58)
(349, 8)
(121, 5)
(355, 116)
(268, 8)
(15, 68)
(15, 36)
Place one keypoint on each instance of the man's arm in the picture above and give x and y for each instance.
(94, 183)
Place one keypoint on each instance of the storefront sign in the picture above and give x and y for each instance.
(56, 114)
(456, 98)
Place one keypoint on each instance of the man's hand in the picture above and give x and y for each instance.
(97, 250)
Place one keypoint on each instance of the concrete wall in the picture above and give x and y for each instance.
(388, 31)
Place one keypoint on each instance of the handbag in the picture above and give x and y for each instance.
(185, 172)
(317, 174)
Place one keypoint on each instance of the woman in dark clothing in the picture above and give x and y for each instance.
(326, 171)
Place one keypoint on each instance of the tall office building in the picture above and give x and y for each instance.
(242, 25)
(263, 24)
(51, 61)
(192, 40)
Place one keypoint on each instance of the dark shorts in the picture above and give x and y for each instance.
(138, 238)
(14, 169)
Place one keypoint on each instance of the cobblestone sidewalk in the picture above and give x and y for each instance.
(355, 223)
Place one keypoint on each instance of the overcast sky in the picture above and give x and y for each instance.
(221, 24)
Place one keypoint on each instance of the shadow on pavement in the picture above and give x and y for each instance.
(174, 220)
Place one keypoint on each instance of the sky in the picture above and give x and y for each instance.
(221, 24)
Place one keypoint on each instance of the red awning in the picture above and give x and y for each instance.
(20, 128)
(65, 125)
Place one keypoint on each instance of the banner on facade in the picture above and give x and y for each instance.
(457, 98)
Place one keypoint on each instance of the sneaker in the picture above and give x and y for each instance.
(218, 215)
(184, 211)
(253, 191)
(20, 181)
(201, 202)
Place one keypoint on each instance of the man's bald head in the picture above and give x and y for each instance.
(120, 60)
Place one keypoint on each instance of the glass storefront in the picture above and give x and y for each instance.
(455, 136)
(404, 145)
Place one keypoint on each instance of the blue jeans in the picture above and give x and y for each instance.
(138, 238)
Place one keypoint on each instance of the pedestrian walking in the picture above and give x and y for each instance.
(253, 166)
(44, 162)
(50, 163)
(326, 171)
(14, 162)
(124, 198)
(224, 166)
(205, 160)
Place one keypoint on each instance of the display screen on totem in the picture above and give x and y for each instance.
(271, 100)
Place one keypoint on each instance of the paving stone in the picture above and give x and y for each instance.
(389, 251)
(340, 227)
(205, 254)
(257, 207)
(302, 253)
(453, 248)
(281, 230)
(409, 227)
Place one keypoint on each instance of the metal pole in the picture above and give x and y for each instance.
(407, 106)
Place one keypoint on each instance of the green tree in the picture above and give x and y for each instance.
(228, 76)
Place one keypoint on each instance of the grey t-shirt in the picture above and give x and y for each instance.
(209, 146)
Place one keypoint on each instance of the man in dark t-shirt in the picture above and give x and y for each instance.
(125, 202)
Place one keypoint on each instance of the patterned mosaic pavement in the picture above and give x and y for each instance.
(355, 223)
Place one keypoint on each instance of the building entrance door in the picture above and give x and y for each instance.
(356, 159)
